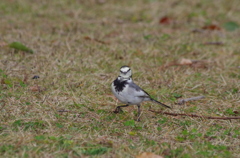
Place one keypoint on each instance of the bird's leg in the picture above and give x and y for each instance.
(139, 113)
(118, 108)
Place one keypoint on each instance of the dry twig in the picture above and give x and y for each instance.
(96, 40)
(182, 101)
(214, 43)
(194, 115)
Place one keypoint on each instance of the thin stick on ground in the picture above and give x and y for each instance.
(194, 115)
(182, 101)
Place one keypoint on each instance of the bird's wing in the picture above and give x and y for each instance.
(137, 91)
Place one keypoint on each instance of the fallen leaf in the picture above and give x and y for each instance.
(20, 46)
(79, 84)
(36, 88)
(25, 78)
(235, 112)
(185, 62)
(211, 27)
(148, 155)
(194, 63)
(113, 34)
(96, 40)
(231, 26)
(165, 20)
(199, 64)
(87, 38)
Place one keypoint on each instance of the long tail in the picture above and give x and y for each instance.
(160, 103)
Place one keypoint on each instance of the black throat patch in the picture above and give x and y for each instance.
(119, 85)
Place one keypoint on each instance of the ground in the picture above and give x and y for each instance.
(78, 47)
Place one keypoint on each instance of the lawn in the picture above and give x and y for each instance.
(56, 99)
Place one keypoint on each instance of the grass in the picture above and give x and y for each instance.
(79, 47)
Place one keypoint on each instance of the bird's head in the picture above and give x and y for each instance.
(125, 73)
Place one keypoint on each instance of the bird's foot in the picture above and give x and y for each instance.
(138, 119)
(117, 110)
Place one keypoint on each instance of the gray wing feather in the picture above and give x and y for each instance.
(136, 87)
(139, 92)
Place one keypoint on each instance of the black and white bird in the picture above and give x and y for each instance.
(128, 92)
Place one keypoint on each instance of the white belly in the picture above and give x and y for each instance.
(127, 96)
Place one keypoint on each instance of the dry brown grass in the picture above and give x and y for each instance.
(80, 46)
